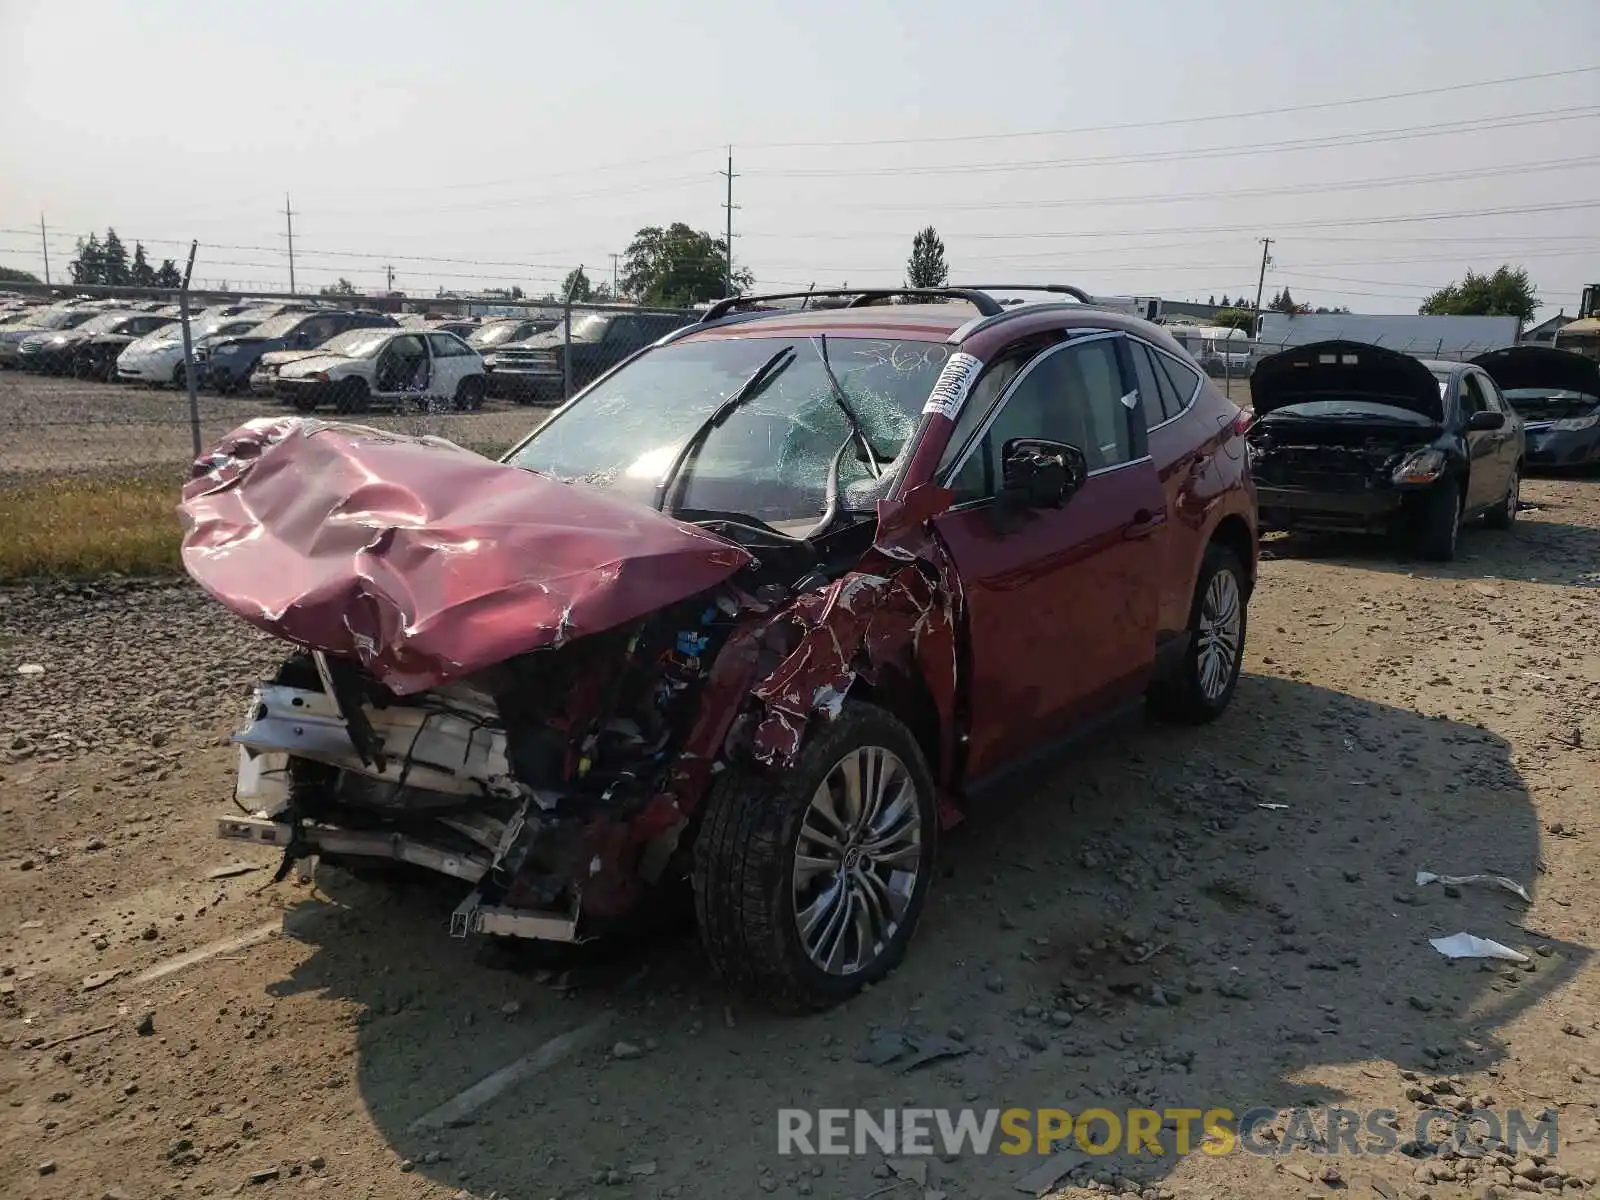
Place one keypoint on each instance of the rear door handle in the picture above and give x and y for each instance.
(1145, 523)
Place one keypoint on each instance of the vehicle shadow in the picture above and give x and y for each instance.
(1535, 550)
(1210, 952)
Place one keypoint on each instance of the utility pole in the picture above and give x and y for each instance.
(390, 271)
(1261, 280)
(614, 258)
(45, 247)
(288, 217)
(727, 276)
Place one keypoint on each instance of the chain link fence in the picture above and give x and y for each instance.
(98, 380)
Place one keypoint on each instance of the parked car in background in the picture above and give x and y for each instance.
(355, 370)
(1350, 436)
(56, 352)
(96, 356)
(157, 358)
(52, 320)
(532, 371)
(765, 609)
(1557, 395)
(493, 334)
(228, 362)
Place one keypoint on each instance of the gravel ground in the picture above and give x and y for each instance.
(1135, 927)
(55, 425)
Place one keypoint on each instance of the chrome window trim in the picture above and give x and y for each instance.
(1132, 462)
(982, 430)
(1194, 396)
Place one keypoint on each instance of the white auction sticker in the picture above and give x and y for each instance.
(954, 382)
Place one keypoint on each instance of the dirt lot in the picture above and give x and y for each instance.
(1134, 928)
(66, 425)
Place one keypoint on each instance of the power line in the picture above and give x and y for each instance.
(1559, 164)
(1366, 137)
(1177, 121)
(1511, 210)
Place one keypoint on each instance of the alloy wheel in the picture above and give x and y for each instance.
(1219, 634)
(857, 859)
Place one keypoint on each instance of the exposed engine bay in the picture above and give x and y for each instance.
(1335, 456)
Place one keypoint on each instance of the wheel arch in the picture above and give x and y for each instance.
(1233, 533)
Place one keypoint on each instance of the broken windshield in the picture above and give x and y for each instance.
(771, 457)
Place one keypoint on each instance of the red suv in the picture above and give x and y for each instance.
(764, 608)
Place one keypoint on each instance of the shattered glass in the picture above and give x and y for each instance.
(771, 458)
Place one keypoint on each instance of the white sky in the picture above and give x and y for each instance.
(531, 137)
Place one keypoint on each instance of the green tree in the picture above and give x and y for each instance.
(1506, 293)
(926, 268)
(115, 261)
(1226, 303)
(1283, 302)
(1211, 300)
(577, 285)
(601, 293)
(12, 275)
(343, 288)
(141, 273)
(516, 293)
(168, 275)
(1235, 318)
(90, 264)
(676, 267)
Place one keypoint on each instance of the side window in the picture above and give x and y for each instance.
(996, 378)
(445, 346)
(1471, 395)
(1075, 395)
(1155, 393)
(315, 331)
(1184, 379)
(1492, 399)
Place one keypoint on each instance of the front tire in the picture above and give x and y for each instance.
(1439, 522)
(1208, 672)
(1504, 514)
(351, 397)
(808, 882)
(469, 394)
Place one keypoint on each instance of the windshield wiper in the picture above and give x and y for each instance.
(843, 401)
(748, 390)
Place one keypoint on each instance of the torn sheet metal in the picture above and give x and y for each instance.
(1502, 881)
(422, 560)
(856, 627)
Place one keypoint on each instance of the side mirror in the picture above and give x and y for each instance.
(1039, 474)
(1486, 421)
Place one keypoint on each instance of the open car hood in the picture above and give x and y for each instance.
(278, 358)
(1345, 370)
(1541, 367)
(422, 560)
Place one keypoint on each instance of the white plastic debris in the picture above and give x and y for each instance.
(1510, 885)
(30, 669)
(1466, 945)
(1272, 807)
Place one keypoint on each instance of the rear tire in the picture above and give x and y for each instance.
(860, 885)
(1208, 673)
(1504, 514)
(1439, 522)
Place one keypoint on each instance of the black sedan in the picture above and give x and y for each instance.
(1349, 436)
(1557, 395)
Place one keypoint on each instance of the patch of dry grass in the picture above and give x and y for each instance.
(90, 524)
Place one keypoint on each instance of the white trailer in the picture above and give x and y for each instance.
(1425, 337)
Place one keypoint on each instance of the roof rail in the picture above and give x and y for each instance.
(975, 294)
(984, 303)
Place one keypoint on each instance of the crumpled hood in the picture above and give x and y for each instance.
(281, 358)
(1345, 371)
(422, 560)
(1541, 367)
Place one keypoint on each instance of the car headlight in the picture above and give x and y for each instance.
(1420, 466)
(1574, 424)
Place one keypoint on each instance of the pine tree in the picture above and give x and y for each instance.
(90, 264)
(926, 268)
(116, 261)
(141, 274)
(168, 275)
